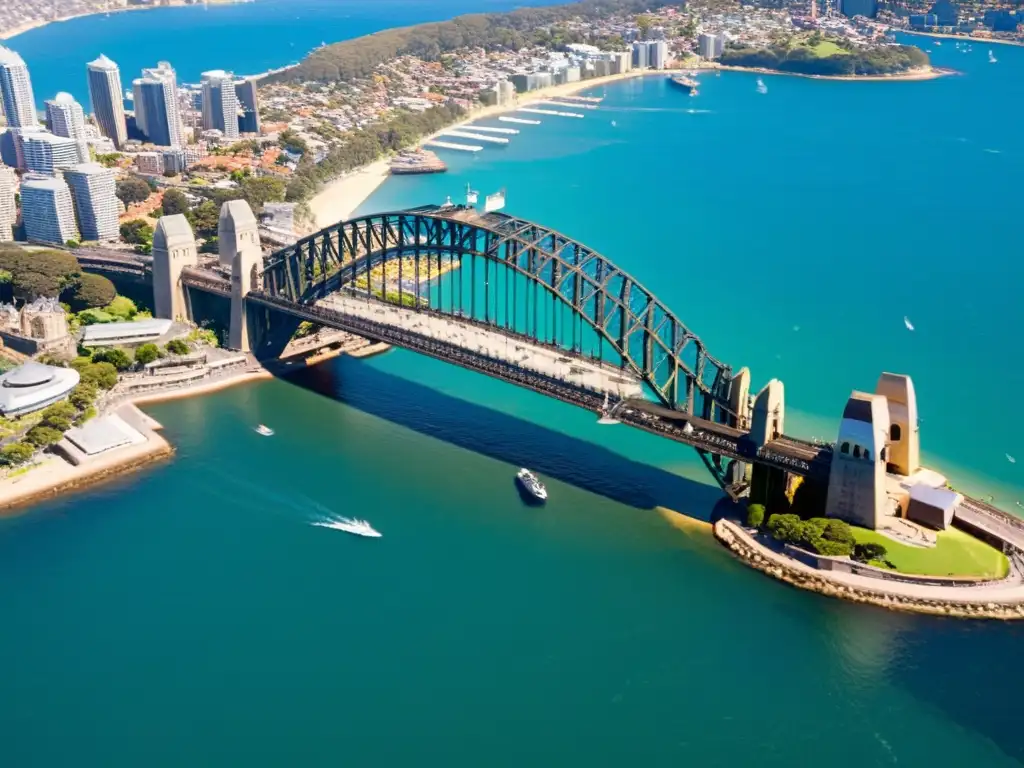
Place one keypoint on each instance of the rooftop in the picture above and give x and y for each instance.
(10, 58)
(109, 333)
(102, 63)
(32, 386)
(103, 434)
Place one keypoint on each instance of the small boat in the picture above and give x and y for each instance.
(688, 84)
(992, 58)
(532, 485)
(264, 430)
(349, 525)
(606, 413)
(939, 42)
(906, 322)
(1010, 459)
(761, 87)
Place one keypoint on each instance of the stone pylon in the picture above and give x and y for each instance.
(174, 248)
(239, 251)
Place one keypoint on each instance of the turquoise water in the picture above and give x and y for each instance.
(246, 38)
(191, 615)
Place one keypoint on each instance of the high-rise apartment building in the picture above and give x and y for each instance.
(220, 103)
(65, 117)
(710, 46)
(107, 99)
(12, 144)
(93, 189)
(47, 210)
(156, 106)
(249, 106)
(657, 54)
(640, 49)
(16, 90)
(8, 211)
(45, 153)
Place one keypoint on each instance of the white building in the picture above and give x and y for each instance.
(94, 188)
(45, 153)
(150, 163)
(710, 46)
(107, 99)
(640, 55)
(8, 211)
(16, 90)
(220, 103)
(65, 117)
(657, 54)
(47, 210)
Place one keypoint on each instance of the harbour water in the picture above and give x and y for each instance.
(192, 615)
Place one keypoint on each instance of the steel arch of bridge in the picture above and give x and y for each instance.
(650, 340)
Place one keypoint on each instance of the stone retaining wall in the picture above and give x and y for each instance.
(741, 544)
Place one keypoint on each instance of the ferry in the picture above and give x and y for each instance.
(264, 430)
(532, 485)
(688, 84)
(417, 161)
(349, 525)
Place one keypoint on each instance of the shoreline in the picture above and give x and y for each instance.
(910, 76)
(969, 38)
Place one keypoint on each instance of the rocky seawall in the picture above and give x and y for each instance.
(960, 602)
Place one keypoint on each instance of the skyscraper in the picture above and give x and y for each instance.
(64, 116)
(710, 46)
(8, 211)
(16, 90)
(47, 210)
(107, 99)
(93, 188)
(640, 55)
(220, 103)
(249, 104)
(156, 106)
(45, 153)
(657, 54)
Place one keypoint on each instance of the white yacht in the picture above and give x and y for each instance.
(349, 525)
(532, 485)
(264, 430)
(992, 58)
(761, 87)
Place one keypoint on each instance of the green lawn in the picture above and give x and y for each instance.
(955, 554)
(827, 48)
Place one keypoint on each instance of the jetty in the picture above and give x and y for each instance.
(476, 137)
(554, 103)
(554, 112)
(519, 120)
(451, 145)
(488, 129)
(589, 99)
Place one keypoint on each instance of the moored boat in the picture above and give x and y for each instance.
(688, 84)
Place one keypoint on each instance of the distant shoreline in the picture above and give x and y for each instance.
(911, 75)
(958, 37)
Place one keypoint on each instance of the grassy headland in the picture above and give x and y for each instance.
(829, 57)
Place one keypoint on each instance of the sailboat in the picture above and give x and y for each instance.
(471, 195)
(606, 413)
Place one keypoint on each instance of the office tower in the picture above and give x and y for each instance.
(710, 46)
(249, 106)
(64, 117)
(657, 54)
(45, 153)
(220, 103)
(16, 90)
(93, 189)
(8, 211)
(107, 99)
(156, 106)
(47, 210)
(640, 55)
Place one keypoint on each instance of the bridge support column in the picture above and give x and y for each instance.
(739, 399)
(771, 487)
(239, 250)
(174, 248)
(769, 418)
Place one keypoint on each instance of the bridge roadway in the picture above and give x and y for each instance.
(795, 456)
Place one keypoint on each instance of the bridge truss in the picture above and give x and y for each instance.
(518, 277)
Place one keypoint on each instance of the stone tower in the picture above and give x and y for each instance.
(904, 432)
(769, 418)
(239, 250)
(174, 248)
(856, 481)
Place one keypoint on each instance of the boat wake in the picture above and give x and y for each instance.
(347, 524)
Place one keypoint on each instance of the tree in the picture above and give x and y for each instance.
(204, 218)
(39, 273)
(16, 453)
(72, 243)
(291, 141)
(260, 190)
(133, 189)
(83, 395)
(643, 25)
(839, 531)
(177, 347)
(147, 353)
(137, 231)
(785, 528)
(90, 292)
(117, 357)
(122, 308)
(42, 437)
(100, 375)
(865, 553)
(755, 515)
(174, 202)
(59, 416)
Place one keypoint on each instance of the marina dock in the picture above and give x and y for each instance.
(476, 137)
(450, 145)
(556, 113)
(589, 99)
(488, 129)
(519, 120)
(554, 103)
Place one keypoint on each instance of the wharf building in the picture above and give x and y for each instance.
(8, 210)
(248, 106)
(93, 189)
(16, 90)
(47, 210)
(157, 115)
(710, 46)
(43, 152)
(65, 117)
(220, 103)
(107, 98)
(32, 386)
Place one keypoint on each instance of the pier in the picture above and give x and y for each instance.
(554, 103)
(488, 129)
(452, 145)
(519, 120)
(556, 113)
(588, 99)
(476, 137)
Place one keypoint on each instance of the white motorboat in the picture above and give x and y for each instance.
(906, 322)
(532, 485)
(606, 413)
(349, 525)
(264, 430)
(761, 87)
(992, 58)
